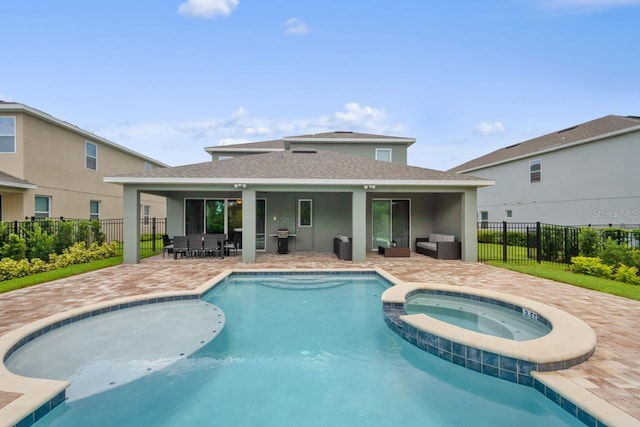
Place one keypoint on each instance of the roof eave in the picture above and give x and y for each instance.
(22, 108)
(305, 182)
(554, 148)
(20, 185)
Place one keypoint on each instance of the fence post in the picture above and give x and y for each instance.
(566, 245)
(15, 227)
(538, 243)
(153, 234)
(504, 241)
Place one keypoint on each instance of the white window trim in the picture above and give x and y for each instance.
(48, 205)
(531, 163)
(310, 212)
(86, 155)
(386, 150)
(146, 213)
(99, 209)
(147, 166)
(15, 137)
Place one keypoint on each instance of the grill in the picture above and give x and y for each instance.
(283, 233)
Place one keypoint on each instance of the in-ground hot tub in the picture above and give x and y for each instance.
(486, 316)
(568, 342)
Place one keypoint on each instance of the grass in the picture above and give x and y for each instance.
(72, 270)
(561, 273)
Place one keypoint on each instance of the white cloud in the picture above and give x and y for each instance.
(207, 8)
(183, 142)
(296, 26)
(489, 129)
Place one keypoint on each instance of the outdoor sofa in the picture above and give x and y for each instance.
(440, 246)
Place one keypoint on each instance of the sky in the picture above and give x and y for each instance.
(167, 78)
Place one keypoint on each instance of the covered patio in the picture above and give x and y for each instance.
(314, 195)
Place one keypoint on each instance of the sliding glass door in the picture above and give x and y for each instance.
(222, 216)
(390, 222)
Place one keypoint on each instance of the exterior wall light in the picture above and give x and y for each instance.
(240, 185)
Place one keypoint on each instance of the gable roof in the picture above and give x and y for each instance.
(301, 167)
(582, 133)
(7, 180)
(14, 107)
(326, 137)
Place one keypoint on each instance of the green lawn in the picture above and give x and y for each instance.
(72, 270)
(562, 273)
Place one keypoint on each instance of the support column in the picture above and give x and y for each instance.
(359, 225)
(469, 220)
(248, 226)
(131, 230)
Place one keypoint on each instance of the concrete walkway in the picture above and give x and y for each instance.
(612, 373)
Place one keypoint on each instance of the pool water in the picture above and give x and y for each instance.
(310, 356)
(478, 316)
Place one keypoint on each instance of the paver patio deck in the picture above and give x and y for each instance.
(612, 373)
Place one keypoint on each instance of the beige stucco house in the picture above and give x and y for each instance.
(51, 168)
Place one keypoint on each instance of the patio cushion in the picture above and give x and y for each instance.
(432, 246)
(435, 237)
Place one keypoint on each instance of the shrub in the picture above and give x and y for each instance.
(40, 243)
(591, 266)
(614, 253)
(77, 254)
(627, 275)
(15, 248)
(64, 237)
(96, 230)
(589, 242)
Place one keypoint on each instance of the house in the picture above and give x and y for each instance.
(316, 187)
(51, 168)
(584, 174)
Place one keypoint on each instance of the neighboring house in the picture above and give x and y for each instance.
(585, 174)
(315, 186)
(50, 168)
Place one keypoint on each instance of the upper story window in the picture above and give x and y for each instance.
(91, 155)
(535, 171)
(383, 154)
(7, 134)
(42, 207)
(94, 209)
(147, 166)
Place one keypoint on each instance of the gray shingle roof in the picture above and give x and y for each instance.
(277, 143)
(300, 165)
(593, 128)
(8, 180)
(344, 135)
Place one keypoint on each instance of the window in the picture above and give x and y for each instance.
(390, 222)
(146, 213)
(7, 134)
(43, 207)
(147, 166)
(304, 213)
(535, 171)
(484, 219)
(91, 155)
(383, 154)
(509, 213)
(225, 157)
(94, 209)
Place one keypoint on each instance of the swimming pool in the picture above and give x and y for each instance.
(299, 354)
(479, 316)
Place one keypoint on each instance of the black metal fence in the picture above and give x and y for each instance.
(537, 242)
(151, 229)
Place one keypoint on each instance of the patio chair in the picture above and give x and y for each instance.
(167, 243)
(196, 244)
(232, 245)
(211, 246)
(180, 246)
